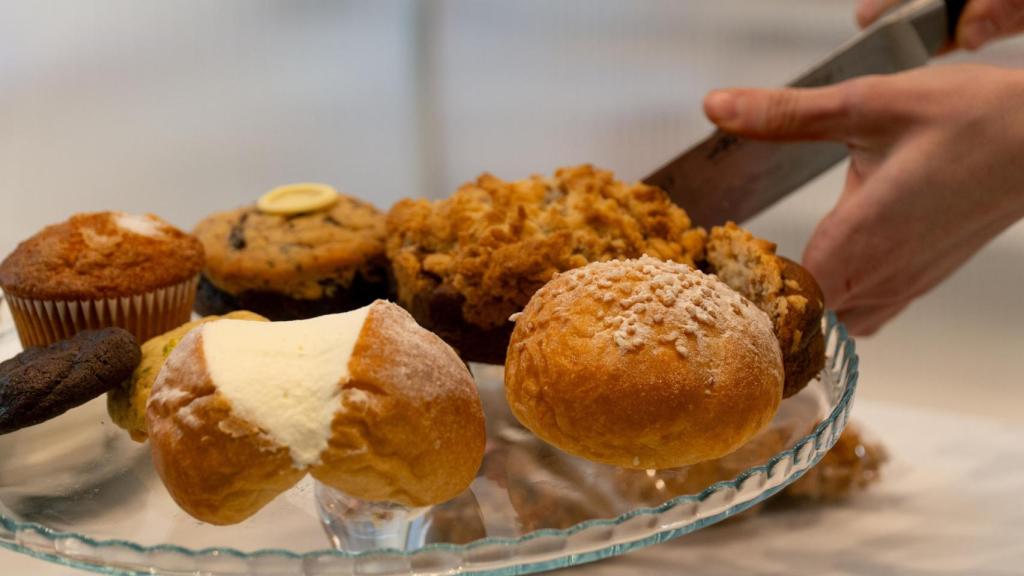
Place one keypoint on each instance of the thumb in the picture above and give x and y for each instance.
(784, 114)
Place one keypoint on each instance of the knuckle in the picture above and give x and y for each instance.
(860, 93)
(877, 103)
(857, 98)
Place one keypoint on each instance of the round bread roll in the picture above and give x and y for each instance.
(367, 401)
(643, 364)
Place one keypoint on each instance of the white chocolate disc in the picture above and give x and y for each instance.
(297, 198)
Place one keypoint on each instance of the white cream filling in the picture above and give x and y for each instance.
(285, 376)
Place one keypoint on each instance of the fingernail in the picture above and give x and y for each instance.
(977, 33)
(721, 107)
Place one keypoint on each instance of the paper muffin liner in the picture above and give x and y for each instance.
(43, 322)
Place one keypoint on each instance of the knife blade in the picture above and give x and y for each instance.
(726, 177)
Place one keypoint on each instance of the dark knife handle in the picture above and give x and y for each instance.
(954, 9)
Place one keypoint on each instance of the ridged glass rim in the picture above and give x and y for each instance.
(844, 344)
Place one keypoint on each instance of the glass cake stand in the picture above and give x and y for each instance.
(77, 491)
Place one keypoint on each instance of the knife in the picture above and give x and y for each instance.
(726, 177)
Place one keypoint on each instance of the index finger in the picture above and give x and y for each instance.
(783, 114)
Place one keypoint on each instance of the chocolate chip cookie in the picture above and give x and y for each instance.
(41, 383)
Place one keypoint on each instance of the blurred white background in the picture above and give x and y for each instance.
(189, 107)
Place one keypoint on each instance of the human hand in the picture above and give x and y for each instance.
(981, 22)
(936, 171)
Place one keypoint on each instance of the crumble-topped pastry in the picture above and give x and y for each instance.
(465, 264)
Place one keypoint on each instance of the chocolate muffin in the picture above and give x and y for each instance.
(463, 265)
(289, 266)
(101, 269)
(41, 383)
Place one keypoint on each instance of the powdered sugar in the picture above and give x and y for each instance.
(654, 302)
(422, 367)
(188, 417)
(167, 395)
(141, 224)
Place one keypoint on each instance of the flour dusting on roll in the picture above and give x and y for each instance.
(643, 364)
(367, 401)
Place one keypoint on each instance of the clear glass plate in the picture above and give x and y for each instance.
(76, 490)
(6, 322)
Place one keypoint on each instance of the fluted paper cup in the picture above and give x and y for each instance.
(43, 322)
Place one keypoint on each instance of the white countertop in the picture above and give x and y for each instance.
(949, 503)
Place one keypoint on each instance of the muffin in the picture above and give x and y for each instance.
(302, 261)
(463, 265)
(780, 287)
(101, 269)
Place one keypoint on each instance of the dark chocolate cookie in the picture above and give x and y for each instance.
(41, 383)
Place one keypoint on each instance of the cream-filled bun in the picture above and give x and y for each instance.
(643, 364)
(367, 401)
